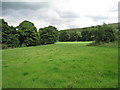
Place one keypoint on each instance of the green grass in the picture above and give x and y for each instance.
(61, 65)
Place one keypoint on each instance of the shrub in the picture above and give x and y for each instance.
(4, 46)
(95, 44)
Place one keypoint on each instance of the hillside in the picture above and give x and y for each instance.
(77, 29)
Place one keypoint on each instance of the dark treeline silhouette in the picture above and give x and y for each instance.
(26, 34)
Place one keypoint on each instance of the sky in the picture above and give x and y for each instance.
(63, 14)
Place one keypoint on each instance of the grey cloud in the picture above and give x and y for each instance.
(24, 9)
(114, 10)
(24, 5)
(97, 18)
(68, 15)
(42, 13)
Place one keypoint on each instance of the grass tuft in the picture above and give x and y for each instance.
(25, 73)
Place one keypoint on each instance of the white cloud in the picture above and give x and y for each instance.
(63, 14)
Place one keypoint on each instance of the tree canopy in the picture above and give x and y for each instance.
(48, 35)
(105, 33)
(28, 35)
(9, 35)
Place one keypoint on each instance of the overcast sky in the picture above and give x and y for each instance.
(63, 14)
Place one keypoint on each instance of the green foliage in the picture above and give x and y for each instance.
(64, 36)
(3, 46)
(105, 33)
(85, 34)
(9, 35)
(0, 31)
(96, 43)
(100, 34)
(69, 36)
(74, 36)
(28, 34)
(12, 41)
(88, 34)
(113, 44)
(48, 35)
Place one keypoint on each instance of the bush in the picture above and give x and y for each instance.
(110, 44)
(95, 44)
(4, 46)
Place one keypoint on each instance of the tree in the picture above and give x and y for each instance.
(73, 36)
(87, 34)
(105, 33)
(0, 31)
(48, 35)
(12, 41)
(64, 36)
(28, 34)
(9, 35)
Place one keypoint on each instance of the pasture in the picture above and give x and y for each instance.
(60, 65)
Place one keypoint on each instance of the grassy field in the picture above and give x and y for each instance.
(61, 65)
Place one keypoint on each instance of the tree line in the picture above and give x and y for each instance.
(26, 34)
(100, 34)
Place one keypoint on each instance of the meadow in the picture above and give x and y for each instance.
(60, 65)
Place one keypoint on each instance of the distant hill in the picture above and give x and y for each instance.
(115, 25)
(78, 29)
